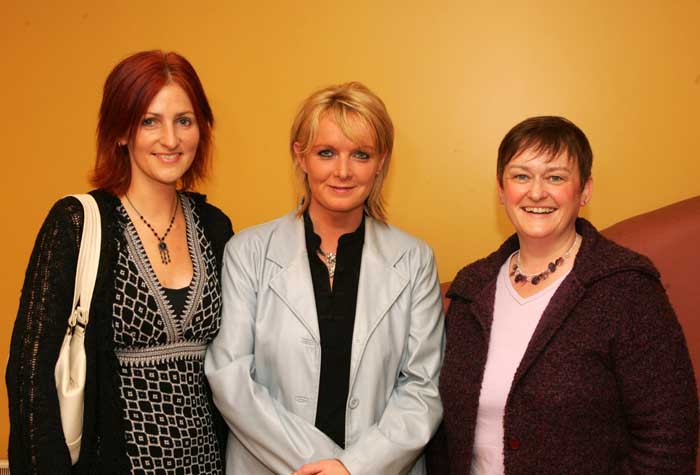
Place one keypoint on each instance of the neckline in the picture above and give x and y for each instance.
(174, 326)
(504, 277)
(315, 240)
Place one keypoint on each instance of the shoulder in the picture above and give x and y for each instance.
(210, 214)
(391, 240)
(66, 207)
(214, 220)
(472, 278)
(623, 284)
(389, 246)
(64, 217)
(628, 294)
(59, 235)
(600, 259)
(259, 236)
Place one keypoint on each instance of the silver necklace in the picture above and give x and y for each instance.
(330, 259)
(535, 279)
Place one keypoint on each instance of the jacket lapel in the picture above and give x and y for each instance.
(563, 301)
(379, 287)
(293, 283)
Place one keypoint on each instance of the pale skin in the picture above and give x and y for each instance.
(542, 198)
(160, 153)
(341, 174)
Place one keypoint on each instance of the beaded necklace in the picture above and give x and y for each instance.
(162, 246)
(535, 279)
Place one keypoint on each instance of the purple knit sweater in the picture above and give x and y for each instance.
(606, 385)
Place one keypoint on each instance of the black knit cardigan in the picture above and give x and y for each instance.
(37, 445)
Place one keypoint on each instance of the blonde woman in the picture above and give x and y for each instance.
(328, 356)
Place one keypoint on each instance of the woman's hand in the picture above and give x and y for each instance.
(323, 467)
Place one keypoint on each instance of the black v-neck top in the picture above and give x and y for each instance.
(335, 308)
(177, 299)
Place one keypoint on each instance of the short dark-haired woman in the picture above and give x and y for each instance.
(563, 353)
(157, 295)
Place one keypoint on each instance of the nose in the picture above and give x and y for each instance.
(537, 190)
(342, 169)
(169, 137)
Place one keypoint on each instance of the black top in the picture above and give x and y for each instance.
(160, 341)
(336, 317)
(177, 299)
(36, 442)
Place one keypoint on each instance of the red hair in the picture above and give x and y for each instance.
(128, 91)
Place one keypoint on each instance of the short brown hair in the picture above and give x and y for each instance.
(128, 91)
(551, 135)
(349, 105)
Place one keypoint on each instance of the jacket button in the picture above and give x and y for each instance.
(354, 402)
(514, 443)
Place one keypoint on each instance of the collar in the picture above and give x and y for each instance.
(598, 257)
(313, 240)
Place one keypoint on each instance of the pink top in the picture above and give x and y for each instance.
(514, 321)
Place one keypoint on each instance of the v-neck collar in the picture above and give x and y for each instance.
(175, 326)
(504, 277)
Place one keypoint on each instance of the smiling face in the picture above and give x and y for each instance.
(165, 143)
(542, 197)
(340, 171)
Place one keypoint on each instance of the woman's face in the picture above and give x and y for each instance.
(340, 172)
(166, 141)
(542, 197)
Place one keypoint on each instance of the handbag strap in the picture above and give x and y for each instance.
(88, 260)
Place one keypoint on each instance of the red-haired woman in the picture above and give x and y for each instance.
(157, 296)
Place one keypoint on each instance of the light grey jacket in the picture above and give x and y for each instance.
(265, 363)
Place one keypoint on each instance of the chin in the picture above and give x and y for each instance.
(535, 233)
(344, 208)
(168, 181)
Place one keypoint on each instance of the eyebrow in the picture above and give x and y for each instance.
(359, 147)
(547, 169)
(179, 114)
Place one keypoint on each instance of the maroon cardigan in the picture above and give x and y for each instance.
(605, 386)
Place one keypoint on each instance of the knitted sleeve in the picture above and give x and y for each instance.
(657, 384)
(36, 441)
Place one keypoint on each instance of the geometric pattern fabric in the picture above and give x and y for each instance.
(169, 424)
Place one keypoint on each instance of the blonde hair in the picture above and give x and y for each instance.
(354, 108)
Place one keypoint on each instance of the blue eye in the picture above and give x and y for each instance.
(186, 121)
(556, 179)
(361, 155)
(325, 153)
(148, 121)
(520, 177)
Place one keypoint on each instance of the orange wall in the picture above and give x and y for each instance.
(456, 75)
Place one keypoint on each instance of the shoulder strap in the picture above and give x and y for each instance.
(88, 260)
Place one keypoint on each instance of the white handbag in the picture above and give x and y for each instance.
(70, 367)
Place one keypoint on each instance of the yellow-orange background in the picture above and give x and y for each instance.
(455, 75)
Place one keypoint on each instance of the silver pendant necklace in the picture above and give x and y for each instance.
(330, 259)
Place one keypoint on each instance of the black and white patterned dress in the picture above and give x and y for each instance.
(170, 428)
